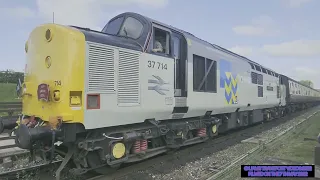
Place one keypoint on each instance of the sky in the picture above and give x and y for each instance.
(283, 35)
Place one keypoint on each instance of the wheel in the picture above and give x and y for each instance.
(94, 160)
(268, 116)
(189, 135)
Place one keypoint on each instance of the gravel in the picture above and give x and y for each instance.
(209, 164)
(272, 133)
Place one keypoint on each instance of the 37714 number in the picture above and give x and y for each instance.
(157, 65)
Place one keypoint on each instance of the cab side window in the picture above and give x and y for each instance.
(176, 47)
(161, 42)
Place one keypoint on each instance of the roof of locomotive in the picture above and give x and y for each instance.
(191, 36)
(201, 41)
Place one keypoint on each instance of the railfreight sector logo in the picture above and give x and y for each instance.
(229, 81)
(157, 85)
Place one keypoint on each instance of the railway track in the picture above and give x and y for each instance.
(8, 147)
(161, 164)
(167, 163)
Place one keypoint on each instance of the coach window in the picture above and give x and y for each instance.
(252, 67)
(269, 72)
(204, 74)
(264, 70)
(258, 68)
(131, 28)
(161, 41)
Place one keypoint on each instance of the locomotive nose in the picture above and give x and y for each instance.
(55, 56)
(55, 63)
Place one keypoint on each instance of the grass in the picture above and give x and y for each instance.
(300, 148)
(297, 149)
(8, 92)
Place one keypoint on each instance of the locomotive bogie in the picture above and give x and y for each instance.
(141, 141)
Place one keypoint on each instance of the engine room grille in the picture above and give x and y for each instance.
(101, 69)
(128, 78)
(260, 91)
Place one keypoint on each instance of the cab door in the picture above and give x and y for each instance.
(179, 50)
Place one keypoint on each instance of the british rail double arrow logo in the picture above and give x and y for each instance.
(159, 85)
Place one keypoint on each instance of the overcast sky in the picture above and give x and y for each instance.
(283, 35)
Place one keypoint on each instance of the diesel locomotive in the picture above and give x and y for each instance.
(139, 88)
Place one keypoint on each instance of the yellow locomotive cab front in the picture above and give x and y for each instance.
(54, 74)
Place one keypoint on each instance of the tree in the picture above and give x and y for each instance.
(307, 83)
(9, 76)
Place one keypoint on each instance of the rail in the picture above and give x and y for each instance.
(8, 116)
(10, 107)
